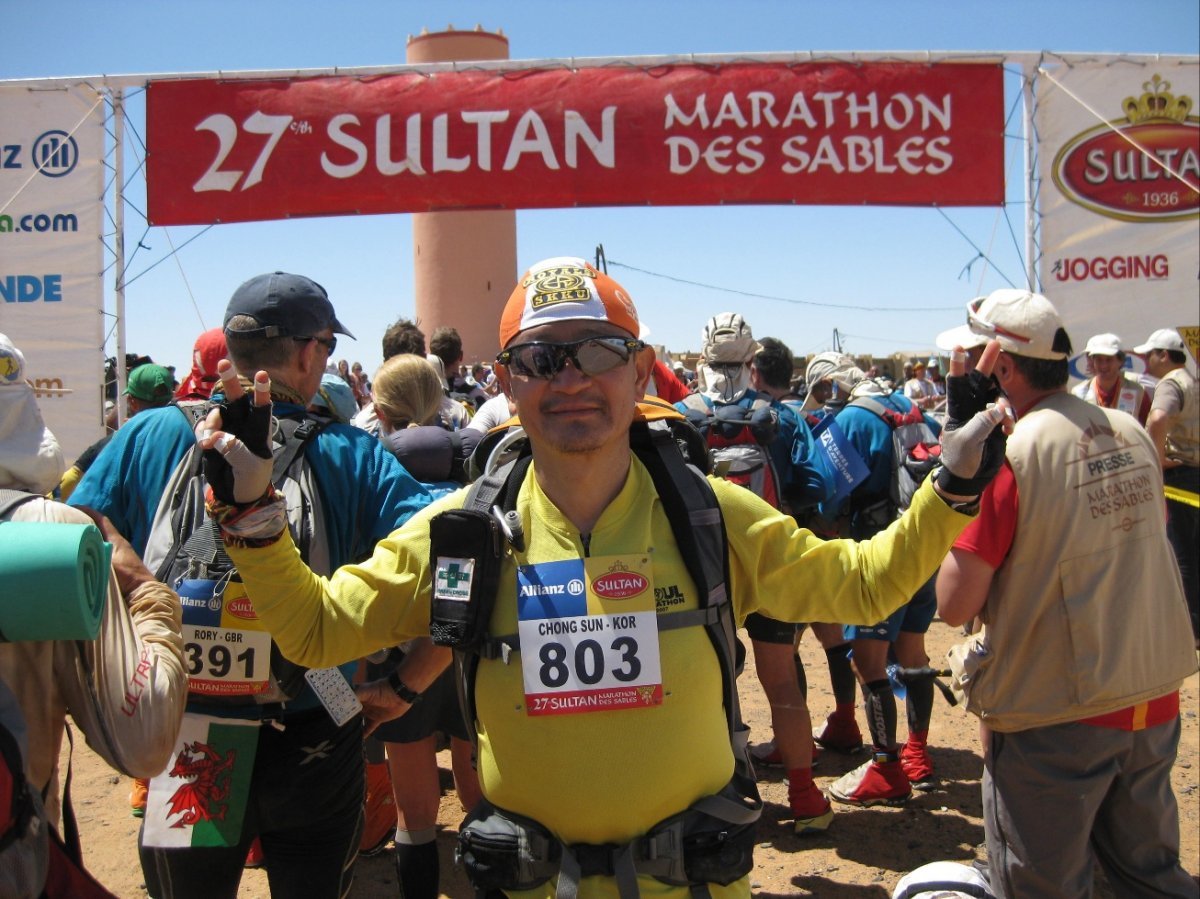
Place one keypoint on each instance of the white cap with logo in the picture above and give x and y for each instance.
(1162, 339)
(1103, 345)
(1024, 322)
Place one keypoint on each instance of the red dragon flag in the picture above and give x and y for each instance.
(200, 799)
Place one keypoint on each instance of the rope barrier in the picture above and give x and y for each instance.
(1179, 495)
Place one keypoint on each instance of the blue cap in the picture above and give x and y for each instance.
(285, 306)
(335, 395)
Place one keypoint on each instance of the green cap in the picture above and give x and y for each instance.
(152, 384)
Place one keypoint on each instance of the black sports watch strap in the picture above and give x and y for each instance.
(401, 689)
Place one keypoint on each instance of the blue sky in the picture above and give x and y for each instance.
(897, 259)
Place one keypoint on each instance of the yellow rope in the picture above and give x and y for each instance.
(1179, 495)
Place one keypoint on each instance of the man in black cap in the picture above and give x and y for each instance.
(301, 767)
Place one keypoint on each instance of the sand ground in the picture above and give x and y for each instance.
(861, 857)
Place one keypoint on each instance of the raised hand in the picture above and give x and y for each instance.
(978, 420)
(236, 439)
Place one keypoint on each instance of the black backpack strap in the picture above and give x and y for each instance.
(695, 515)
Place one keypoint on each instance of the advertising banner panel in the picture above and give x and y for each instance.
(51, 209)
(1119, 157)
(813, 133)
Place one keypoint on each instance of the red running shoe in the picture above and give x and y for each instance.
(918, 767)
(766, 754)
(877, 782)
(839, 734)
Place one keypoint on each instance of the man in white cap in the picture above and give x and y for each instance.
(1110, 385)
(1174, 426)
(1076, 672)
(920, 389)
(592, 796)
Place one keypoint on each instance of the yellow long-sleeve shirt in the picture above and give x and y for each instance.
(604, 776)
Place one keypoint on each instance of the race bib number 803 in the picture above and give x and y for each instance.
(589, 635)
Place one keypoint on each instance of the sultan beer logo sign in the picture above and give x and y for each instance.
(1144, 167)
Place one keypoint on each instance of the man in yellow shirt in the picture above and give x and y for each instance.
(604, 723)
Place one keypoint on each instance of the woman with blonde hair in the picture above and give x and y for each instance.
(408, 394)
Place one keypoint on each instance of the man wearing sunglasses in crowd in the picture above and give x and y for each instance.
(305, 773)
(593, 781)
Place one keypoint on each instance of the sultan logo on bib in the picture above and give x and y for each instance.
(589, 635)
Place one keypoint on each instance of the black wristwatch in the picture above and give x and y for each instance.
(401, 689)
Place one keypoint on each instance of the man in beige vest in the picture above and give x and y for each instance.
(1076, 672)
(1174, 426)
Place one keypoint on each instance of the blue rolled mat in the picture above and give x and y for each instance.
(55, 579)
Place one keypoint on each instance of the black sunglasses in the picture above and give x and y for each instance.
(591, 356)
(330, 343)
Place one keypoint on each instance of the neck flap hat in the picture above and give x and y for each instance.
(727, 349)
(30, 457)
(208, 351)
(566, 288)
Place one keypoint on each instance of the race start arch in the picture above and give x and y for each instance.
(1111, 162)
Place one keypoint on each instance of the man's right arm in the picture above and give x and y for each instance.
(318, 621)
(127, 480)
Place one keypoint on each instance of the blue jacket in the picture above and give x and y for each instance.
(365, 492)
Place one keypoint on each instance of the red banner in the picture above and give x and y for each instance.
(813, 133)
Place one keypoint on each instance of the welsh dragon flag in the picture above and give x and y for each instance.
(200, 799)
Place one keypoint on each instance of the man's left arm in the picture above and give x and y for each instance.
(1158, 424)
(797, 576)
(963, 582)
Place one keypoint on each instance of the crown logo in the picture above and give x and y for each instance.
(1156, 104)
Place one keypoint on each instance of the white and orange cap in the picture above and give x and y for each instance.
(566, 288)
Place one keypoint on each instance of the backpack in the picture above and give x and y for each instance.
(678, 461)
(916, 450)
(738, 435)
(185, 551)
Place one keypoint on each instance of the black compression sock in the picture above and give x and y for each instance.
(418, 870)
(880, 706)
(919, 705)
(841, 674)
